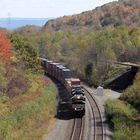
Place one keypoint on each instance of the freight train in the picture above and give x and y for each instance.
(72, 85)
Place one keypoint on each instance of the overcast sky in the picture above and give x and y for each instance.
(46, 8)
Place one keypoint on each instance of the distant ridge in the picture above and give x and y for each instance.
(13, 23)
(113, 14)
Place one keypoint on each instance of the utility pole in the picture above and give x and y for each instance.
(9, 21)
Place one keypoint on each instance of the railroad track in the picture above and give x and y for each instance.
(78, 129)
(98, 120)
(78, 125)
(77, 132)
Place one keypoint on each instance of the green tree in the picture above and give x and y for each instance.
(25, 51)
(88, 69)
(3, 79)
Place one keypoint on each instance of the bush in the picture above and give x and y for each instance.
(23, 122)
(17, 85)
(132, 94)
(121, 115)
(119, 135)
(118, 108)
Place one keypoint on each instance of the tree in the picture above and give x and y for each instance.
(25, 52)
(5, 47)
(88, 70)
(3, 79)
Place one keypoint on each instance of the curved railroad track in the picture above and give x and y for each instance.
(78, 129)
(78, 123)
(98, 120)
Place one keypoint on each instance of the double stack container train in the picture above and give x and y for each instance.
(72, 85)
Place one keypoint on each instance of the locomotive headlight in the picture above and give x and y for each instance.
(78, 97)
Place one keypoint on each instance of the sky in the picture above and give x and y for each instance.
(46, 8)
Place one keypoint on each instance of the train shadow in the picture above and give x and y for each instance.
(63, 112)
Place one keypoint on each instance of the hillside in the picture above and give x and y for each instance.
(123, 12)
(28, 29)
(27, 98)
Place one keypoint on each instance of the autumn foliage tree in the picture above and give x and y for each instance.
(5, 47)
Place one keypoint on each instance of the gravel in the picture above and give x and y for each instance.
(60, 130)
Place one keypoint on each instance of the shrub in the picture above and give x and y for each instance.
(23, 122)
(17, 85)
(132, 94)
(121, 115)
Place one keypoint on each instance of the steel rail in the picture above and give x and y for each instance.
(78, 129)
(98, 120)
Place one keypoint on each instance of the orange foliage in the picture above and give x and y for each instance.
(5, 47)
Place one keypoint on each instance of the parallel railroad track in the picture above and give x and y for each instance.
(98, 120)
(78, 129)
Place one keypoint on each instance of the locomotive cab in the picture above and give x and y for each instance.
(77, 94)
(77, 90)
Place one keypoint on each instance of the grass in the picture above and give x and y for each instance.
(29, 116)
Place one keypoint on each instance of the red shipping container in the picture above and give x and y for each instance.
(54, 69)
(57, 71)
(75, 81)
(49, 66)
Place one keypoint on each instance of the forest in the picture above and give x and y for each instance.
(87, 52)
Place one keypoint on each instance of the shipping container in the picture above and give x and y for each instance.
(75, 81)
(43, 62)
(59, 73)
(57, 70)
(65, 73)
(54, 69)
(67, 84)
(49, 67)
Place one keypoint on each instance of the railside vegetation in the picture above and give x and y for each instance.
(124, 113)
(27, 98)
